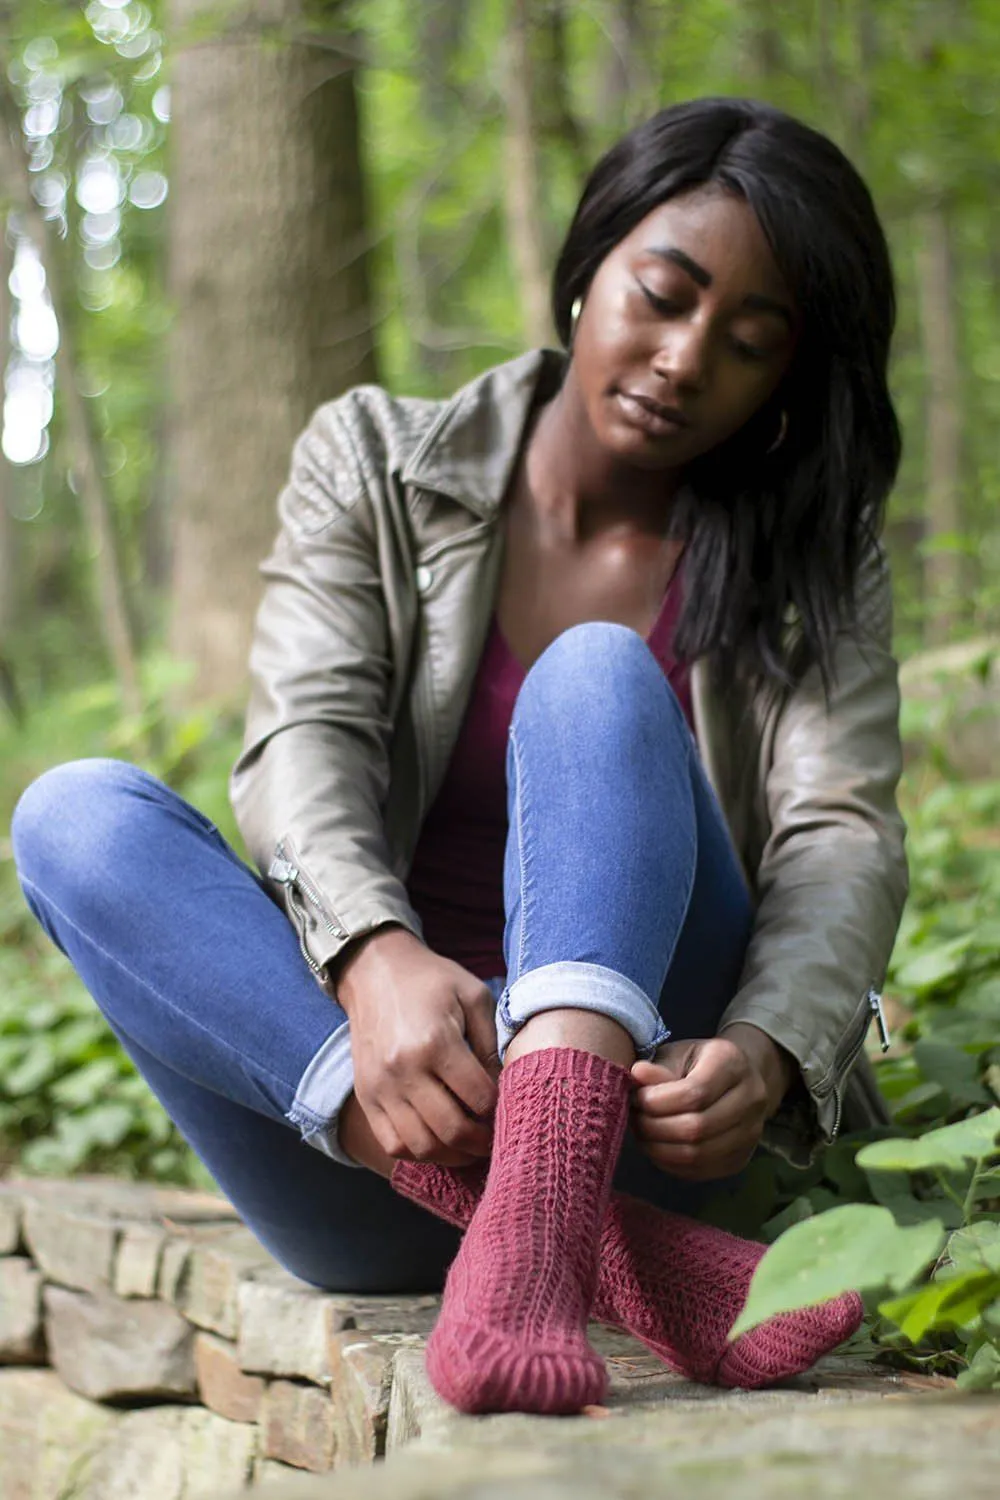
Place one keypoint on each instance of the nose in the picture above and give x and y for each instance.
(683, 358)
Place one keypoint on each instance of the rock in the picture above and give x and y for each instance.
(47, 1435)
(201, 1274)
(392, 1315)
(10, 1221)
(848, 1449)
(171, 1453)
(137, 1264)
(73, 1248)
(73, 1228)
(275, 1478)
(297, 1426)
(361, 1387)
(285, 1326)
(110, 1349)
(222, 1385)
(415, 1408)
(21, 1337)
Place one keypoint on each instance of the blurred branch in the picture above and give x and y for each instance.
(84, 441)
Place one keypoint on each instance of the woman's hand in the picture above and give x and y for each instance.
(698, 1110)
(423, 1040)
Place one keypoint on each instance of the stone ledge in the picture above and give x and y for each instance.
(228, 1375)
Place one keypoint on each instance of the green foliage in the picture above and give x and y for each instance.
(950, 1281)
(70, 1099)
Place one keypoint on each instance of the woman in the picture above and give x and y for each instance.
(573, 693)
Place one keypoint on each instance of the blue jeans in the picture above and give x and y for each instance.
(623, 894)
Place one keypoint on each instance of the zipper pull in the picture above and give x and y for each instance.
(281, 871)
(875, 1001)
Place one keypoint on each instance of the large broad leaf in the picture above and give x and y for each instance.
(976, 1248)
(858, 1247)
(943, 1304)
(954, 1070)
(950, 1146)
(984, 1372)
(934, 965)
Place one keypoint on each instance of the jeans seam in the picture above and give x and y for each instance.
(145, 985)
(521, 855)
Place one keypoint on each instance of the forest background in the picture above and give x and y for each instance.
(216, 214)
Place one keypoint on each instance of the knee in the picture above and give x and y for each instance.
(602, 671)
(64, 817)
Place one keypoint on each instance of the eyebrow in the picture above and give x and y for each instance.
(753, 300)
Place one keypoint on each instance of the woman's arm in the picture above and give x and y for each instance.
(832, 879)
(309, 788)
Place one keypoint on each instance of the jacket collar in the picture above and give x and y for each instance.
(470, 450)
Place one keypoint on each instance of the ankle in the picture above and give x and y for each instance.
(583, 1030)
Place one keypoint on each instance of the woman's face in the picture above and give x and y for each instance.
(687, 328)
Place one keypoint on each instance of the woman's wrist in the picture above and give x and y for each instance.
(776, 1066)
(361, 961)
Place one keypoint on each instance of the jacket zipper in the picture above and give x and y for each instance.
(297, 885)
(873, 1008)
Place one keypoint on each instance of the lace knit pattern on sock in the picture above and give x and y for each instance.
(676, 1284)
(512, 1331)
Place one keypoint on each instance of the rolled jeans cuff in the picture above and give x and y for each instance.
(322, 1093)
(578, 986)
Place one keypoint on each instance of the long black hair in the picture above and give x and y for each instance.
(770, 536)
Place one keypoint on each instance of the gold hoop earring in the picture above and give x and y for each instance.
(574, 318)
(782, 433)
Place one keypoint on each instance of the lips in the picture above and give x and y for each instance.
(668, 416)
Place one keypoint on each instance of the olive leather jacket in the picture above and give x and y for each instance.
(378, 595)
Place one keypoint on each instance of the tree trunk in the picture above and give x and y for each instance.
(935, 281)
(269, 275)
(522, 187)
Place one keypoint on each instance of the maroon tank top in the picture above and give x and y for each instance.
(456, 882)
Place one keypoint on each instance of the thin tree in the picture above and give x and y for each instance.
(269, 279)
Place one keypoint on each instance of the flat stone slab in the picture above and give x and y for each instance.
(775, 1445)
(75, 1229)
(21, 1339)
(47, 1435)
(169, 1453)
(110, 1349)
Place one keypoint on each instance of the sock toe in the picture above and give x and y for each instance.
(480, 1370)
(789, 1344)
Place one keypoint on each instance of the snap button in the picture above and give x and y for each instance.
(424, 577)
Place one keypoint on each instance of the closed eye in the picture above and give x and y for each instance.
(662, 304)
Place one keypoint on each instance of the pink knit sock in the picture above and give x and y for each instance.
(512, 1333)
(672, 1282)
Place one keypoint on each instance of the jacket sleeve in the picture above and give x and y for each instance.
(310, 786)
(832, 879)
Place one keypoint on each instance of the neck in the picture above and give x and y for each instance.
(581, 489)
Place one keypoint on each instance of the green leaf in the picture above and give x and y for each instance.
(857, 1247)
(934, 965)
(950, 1146)
(984, 1372)
(943, 1304)
(976, 1247)
(954, 1070)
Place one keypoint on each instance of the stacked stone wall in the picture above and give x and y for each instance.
(150, 1346)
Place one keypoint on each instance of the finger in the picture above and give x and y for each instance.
(714, 1073)
(445, 1118)
(717, 1159)
(481, 1029)
(417, 1137)
(462, 1072)
(733, 1110)
(672, 1061)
